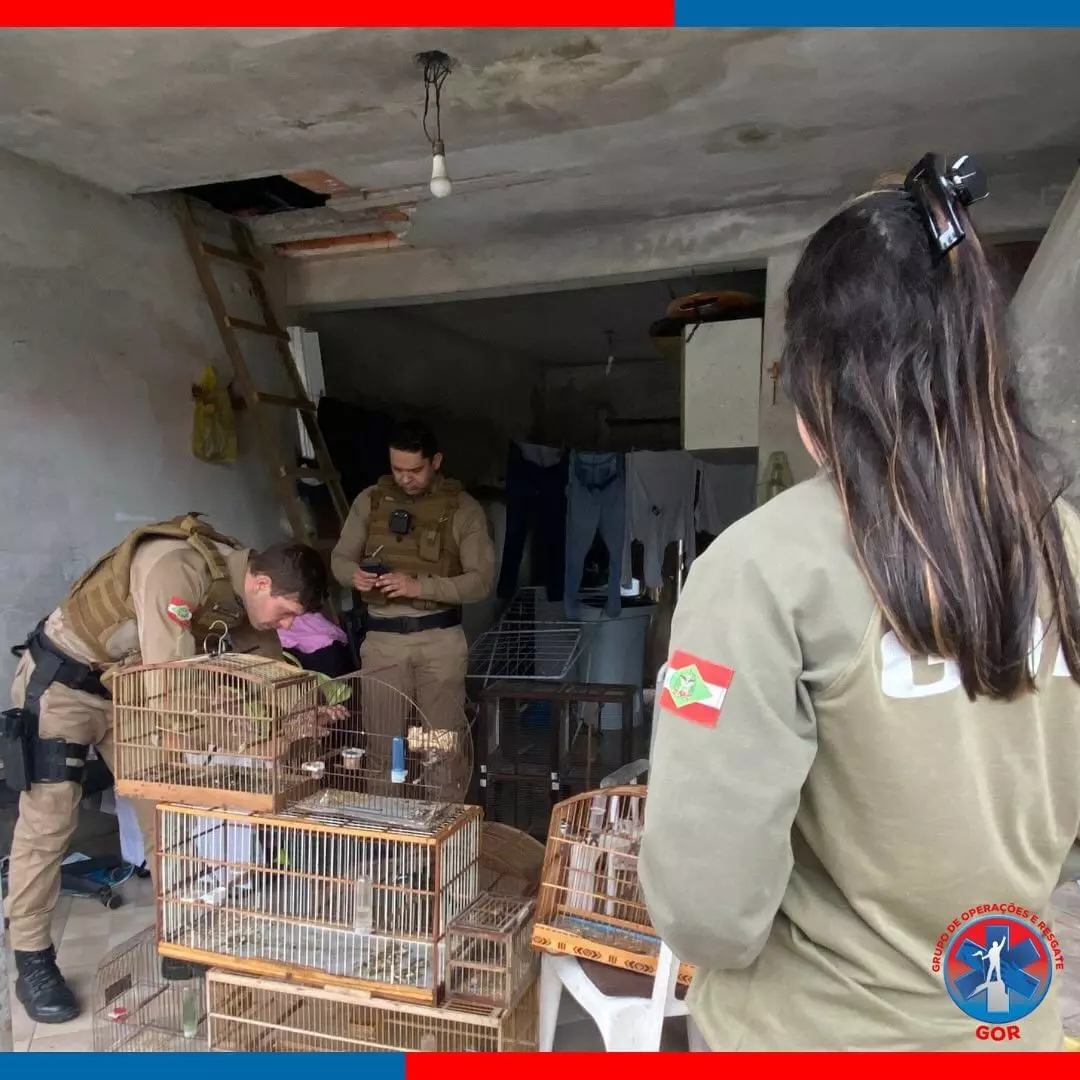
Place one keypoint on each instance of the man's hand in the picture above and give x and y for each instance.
(398, 586)
(362, 581)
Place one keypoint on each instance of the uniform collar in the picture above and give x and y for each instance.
(237, 564)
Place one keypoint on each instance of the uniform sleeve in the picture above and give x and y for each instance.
(1071, 870)
(163, 609)
(477, 554)
(349, 550)
(733, 741)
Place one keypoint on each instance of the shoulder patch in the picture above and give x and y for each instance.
(694, 689)
(180, 612)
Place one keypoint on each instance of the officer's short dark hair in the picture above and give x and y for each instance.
(294, 570)
(414, 437)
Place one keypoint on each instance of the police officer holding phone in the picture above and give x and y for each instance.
(416, 547)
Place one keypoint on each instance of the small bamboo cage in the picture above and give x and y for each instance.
(489, 955)
(316, 894)
(351, 725)
(590, 902)
(219, 730)
(262, 1015)
(136, 1009)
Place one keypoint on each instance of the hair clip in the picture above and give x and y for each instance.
(938, 191)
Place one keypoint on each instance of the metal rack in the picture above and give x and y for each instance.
(538, 742)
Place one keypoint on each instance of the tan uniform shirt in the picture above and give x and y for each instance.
(476, 551)
(808, 843)
(164, 572)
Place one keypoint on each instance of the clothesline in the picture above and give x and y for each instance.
(562, 498)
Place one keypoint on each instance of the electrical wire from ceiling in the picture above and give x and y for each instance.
(437, 66)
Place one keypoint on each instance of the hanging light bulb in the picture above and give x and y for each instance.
(440, 182)
(436, 67)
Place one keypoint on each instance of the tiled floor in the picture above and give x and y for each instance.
(85, 932)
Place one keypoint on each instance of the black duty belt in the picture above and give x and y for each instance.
(413, 624)
(53, 665)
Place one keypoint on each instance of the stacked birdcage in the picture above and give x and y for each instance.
(220, 730)
(490, 960)
(263, 1015)
(317, 893)
(590, 903)
(310, 832)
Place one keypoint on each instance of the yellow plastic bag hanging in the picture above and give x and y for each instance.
(213, 434)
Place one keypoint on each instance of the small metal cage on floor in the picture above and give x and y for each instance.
(489, 955)
(214, 730)
(137, 1010)
(313, 895)
(262, 1015)
(590, 903)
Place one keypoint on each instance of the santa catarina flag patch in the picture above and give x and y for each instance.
(694, 689)
(180, 612)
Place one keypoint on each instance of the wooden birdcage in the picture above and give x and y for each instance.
(248, 1014)
(214, 731)
(590, 903)
(316, 894)
(489, 955)
(136, 1009)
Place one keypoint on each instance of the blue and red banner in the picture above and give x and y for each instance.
(563, 14)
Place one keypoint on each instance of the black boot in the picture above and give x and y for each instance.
(40, 987)
(173, 970)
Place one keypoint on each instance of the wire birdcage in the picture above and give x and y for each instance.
(489, 955)
(213, 730)
(135, 1009)
(351, 737)
(249, 1014)
(590, 902)
(311, 895)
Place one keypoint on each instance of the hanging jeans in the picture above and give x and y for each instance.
(596, 498)
(536, 506)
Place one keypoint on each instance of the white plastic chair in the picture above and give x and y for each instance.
(627, 1024)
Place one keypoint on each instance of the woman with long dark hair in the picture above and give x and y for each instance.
(865, 777)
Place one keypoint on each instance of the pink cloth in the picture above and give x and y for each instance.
(311, 632)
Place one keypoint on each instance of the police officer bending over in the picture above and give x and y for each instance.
(416, 547)
(157, 595)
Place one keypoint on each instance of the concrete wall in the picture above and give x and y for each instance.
(103, 329)
(474, 396)
(580, 403)
(777, 430)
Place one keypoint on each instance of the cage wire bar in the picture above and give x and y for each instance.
(213, 730)
(249, 1014)
(489, 955)
(313, 896)
(136, 1010)
(356, 720)
(590, 903)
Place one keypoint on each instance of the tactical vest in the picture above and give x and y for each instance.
(429, 547)
(100, 602)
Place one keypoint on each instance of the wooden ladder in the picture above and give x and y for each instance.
(284, 472)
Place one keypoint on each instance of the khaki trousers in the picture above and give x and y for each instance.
(48, 813)
(426, 672)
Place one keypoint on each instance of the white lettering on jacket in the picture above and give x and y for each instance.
(898, 667)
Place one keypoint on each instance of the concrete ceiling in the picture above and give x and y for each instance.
(565, 130)
(569, 328)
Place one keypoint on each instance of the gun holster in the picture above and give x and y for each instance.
(18, 733)
(28, 759)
